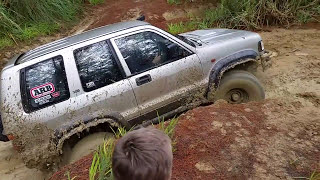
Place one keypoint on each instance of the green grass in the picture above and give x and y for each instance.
(96, 2)
(5, 42)
(174, 2)
(101, 163)
(27, 19)
(254, 14)
(177, 28)
(101, 167)
(38, 29)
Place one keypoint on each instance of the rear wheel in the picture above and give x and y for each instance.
(237, 87)
(84, 147)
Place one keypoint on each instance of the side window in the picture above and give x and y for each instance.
(146, 50)
(96, 65)
(44, 84)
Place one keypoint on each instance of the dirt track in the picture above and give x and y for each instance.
(293, 82)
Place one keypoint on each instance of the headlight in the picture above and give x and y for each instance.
(260, 46)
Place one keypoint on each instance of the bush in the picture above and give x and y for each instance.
(95, 2)
(26, 19)
(254, 14)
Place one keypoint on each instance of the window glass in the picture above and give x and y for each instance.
(45, 84)
(97, 66)
(146, 50)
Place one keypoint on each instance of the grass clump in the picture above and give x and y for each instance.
(101, 167)
(177, 28)
(27, 19)
(96, 2)
(37, 29)
(254, 14)
(5, 42)
(174, 2)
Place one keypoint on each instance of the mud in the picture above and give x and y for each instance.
(247, 141)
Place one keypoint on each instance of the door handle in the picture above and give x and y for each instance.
(143, 79)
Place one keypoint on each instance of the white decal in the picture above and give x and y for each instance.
(42, 90)
(43, 99)
(90, 84)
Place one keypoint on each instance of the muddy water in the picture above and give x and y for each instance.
(12, 166)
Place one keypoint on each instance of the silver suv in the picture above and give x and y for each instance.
(63, 97)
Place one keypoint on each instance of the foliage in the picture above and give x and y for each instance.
(24, 20)
(102, 158)
(101, 163)
(5, 42)
(96, 2)
(168, 128)
(33, 30)
(176, 28)
(174, 2)
(254, 14)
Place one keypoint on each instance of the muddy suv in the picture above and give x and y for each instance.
(61, 99)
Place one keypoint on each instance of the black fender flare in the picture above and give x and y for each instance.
(64, 133)
(227, 63)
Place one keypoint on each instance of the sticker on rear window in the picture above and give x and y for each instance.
(42, 90)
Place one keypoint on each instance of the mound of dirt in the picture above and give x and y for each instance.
(258, 140)
(268, 140)
(78, 170)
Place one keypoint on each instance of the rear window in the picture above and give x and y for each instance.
(44, 84)
(97, 66)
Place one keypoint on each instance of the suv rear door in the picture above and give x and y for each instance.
(104, 87)
(160, 70)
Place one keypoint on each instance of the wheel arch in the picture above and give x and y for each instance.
(81, 129)
(243, 58)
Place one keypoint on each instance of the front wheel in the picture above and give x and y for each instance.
(84, 147)
(237, 87)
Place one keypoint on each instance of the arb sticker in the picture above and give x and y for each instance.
(42, 90)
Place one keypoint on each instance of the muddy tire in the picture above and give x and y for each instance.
(84, 147)
(237, 87)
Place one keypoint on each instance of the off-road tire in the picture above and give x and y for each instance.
(84, 147)
(238, 86)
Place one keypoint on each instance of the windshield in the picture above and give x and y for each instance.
(184, 39)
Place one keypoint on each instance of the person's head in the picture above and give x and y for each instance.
(143, 154)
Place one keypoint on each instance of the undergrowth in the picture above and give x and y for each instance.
(101, 164)
(22, 20)
(96, 2)
(253, 15)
